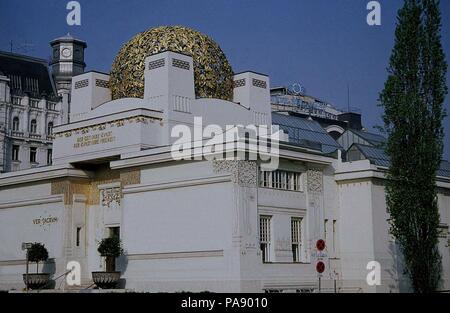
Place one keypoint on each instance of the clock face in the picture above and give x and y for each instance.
(66, 52)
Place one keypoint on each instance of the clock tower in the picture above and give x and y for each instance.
(67, 61)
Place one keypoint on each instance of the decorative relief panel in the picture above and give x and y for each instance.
(180, 64)
(116, 123)
(82, 83)
(156, 64)
(110, 195)
(259, 83)
(314, 178)
(89, 188)
(239, 83)
(244, 173)
(102, 83)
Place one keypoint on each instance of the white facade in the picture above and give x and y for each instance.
(196, 225)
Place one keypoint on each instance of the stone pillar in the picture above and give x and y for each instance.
(245, 247)
(315, 212)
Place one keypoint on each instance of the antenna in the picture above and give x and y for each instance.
(348, 97)
(25, 47)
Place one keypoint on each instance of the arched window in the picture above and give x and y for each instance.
(33, 127)
(50, 128)
(15, 124)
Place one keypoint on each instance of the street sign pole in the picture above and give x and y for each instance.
(26, 275)
(320, 265)
(335, 289)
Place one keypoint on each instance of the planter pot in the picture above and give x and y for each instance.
(36, 281)
(106, 280)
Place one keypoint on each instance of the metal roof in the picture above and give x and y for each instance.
(68, 38)
(303, 131)
(25, 68)
(379, 157)
(376, 155)
(374, 139)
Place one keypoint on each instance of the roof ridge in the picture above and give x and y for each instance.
(24, 57)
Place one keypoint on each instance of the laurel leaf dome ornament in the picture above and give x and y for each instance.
(213, 75)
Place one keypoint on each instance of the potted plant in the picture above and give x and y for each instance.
(109, 248)
(35, 254)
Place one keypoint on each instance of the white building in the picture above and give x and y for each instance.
(195, 225)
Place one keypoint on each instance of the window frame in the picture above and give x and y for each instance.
(15, 153)
(50, 126)
(49, 156)
(265, 238)
(281, 180)
(16, 124)
(33, 126)
(297, 239)
(33, 154)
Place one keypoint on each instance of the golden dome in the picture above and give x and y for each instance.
(213, 74)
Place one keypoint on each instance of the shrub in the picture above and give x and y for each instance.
(110, 247)
(37, 253)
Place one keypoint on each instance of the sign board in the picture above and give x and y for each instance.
(320, 267)
(320, 245)
(26, 245)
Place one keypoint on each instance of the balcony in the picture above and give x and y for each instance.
(35, 136)
(51, 106)
(16, 133)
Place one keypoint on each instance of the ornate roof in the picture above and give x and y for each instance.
(213, 74)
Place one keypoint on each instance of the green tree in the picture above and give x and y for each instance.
(37, 253)
(413, 98)
(110, 248)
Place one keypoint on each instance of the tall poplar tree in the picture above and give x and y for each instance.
(413, 98)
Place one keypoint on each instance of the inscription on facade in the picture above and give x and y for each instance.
(95, 139)
(45, 220)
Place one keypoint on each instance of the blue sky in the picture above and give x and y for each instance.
(323, 44)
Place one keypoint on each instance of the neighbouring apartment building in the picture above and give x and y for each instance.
(33, 100)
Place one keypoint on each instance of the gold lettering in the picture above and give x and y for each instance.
(95, 139)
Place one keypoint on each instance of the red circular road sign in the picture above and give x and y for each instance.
(320, 244)
(320, 267)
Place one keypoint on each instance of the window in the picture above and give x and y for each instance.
(50, 128)
(334, 235)
(15, 153)
(114, 231)
(34, 103)
(33, 152)
(78, 236)
(49, 156)
(33, 127)
(284, 180)
(16, 100)
(15, 124)
(51, 106)
(296, 231)
(264, 235)
(325, 225)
